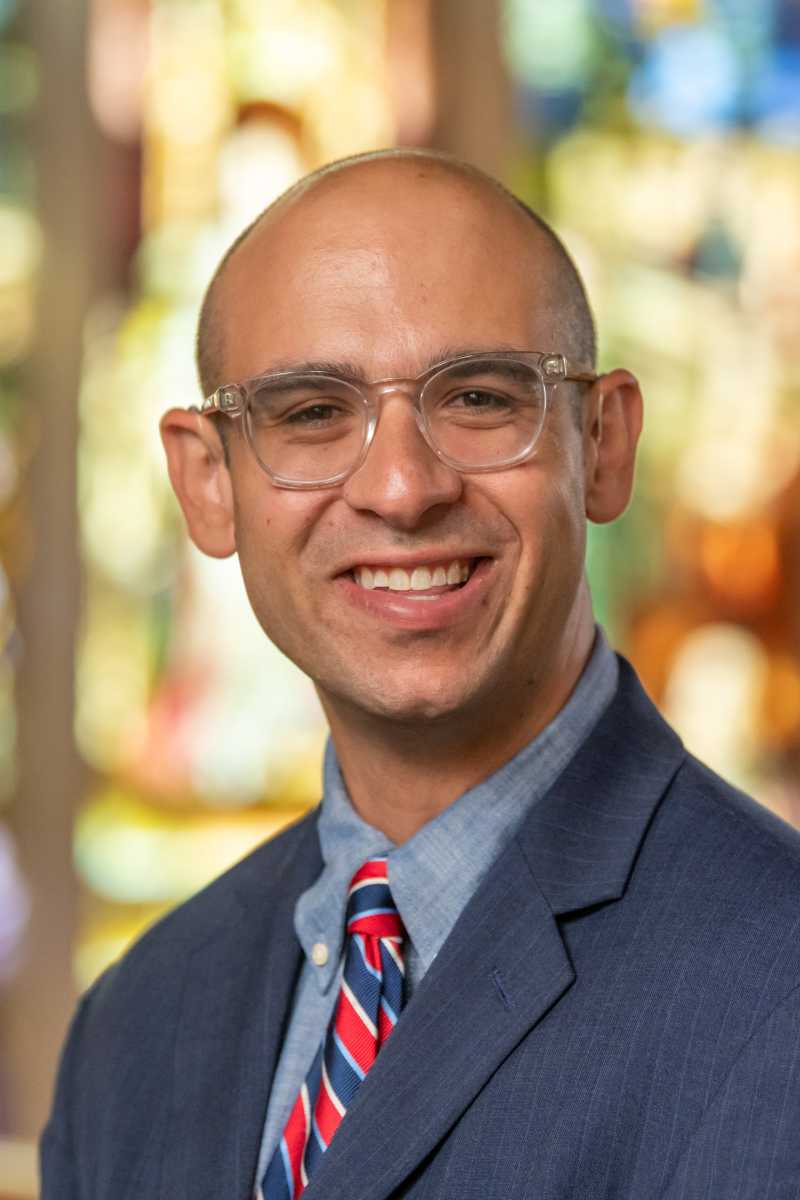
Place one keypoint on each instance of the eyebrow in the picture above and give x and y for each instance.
(348, 370)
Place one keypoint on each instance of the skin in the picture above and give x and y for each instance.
(391, 265)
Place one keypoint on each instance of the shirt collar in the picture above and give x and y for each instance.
(434, 874)
(346, 841)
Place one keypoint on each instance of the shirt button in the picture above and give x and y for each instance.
(319, 954)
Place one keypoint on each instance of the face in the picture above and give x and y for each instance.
(391, 275)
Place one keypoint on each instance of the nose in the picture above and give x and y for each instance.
(401, 478)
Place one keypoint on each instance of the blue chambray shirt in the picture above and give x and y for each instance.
(432, 876)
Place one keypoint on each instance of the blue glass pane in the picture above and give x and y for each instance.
(689, 82)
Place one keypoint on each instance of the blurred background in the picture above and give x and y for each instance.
(146, 739)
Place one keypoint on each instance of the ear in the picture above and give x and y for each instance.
(199, 476)
(612, 424)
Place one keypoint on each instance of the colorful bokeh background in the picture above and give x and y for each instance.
(149, 735)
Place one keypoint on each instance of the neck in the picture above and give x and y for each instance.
(400, 775)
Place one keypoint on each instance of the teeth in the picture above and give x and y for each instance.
(398, 580)
(419, 580)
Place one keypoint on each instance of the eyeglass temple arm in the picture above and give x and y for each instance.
(225, 400)
(556, 367)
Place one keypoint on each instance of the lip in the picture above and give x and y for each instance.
(402, 612)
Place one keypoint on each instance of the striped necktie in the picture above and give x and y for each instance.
(368, 1005)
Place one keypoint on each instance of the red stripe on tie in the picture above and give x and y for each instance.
(296, 1135)
(326, 1113)
(373, 868)
(378, 925)
(359, 1040)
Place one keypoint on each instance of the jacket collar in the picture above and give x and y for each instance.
(581, 840)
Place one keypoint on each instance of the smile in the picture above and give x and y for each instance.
(421, 597)
(430, 578)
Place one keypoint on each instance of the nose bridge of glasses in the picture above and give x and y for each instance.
(411, 389)
(405, 451)
(385, 387)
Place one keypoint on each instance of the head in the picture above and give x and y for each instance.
(386, 264)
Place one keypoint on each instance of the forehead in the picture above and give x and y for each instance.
(384, 268)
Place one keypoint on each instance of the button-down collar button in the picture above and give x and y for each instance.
(319, 954)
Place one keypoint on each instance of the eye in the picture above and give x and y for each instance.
(313, 414)
(477, 399)
(478, 404)
(302, 404)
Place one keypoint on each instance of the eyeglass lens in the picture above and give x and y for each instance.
(310, 427)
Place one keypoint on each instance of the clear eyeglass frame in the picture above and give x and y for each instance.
(232, 400)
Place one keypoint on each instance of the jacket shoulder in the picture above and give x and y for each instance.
(723, 873)
(738, 817)
(126, 1024)
(156, 958)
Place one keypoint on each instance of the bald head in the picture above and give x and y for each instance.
(407, 193)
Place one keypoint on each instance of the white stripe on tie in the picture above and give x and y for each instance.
(368, 883)
(391, 946)
(334, 1099)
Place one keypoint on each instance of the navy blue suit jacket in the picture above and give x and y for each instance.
(616, 1014)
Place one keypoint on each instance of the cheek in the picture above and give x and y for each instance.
(274, 525)
(266, 587)
(552, 538)
(567, 526)
(566, 494)
(271, 531)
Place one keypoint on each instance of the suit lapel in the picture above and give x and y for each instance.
(582, 838)
(230, 1026)
(505, 964)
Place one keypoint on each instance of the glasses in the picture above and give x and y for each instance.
(477, 412)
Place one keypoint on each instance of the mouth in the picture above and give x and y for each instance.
(421, 597)
(422, 581)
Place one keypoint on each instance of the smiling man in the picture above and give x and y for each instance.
(527, 946)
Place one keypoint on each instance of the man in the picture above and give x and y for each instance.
(598, 936)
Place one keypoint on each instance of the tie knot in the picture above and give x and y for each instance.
(371, 911)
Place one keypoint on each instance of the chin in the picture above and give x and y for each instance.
(414, 710)
(407, 701)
